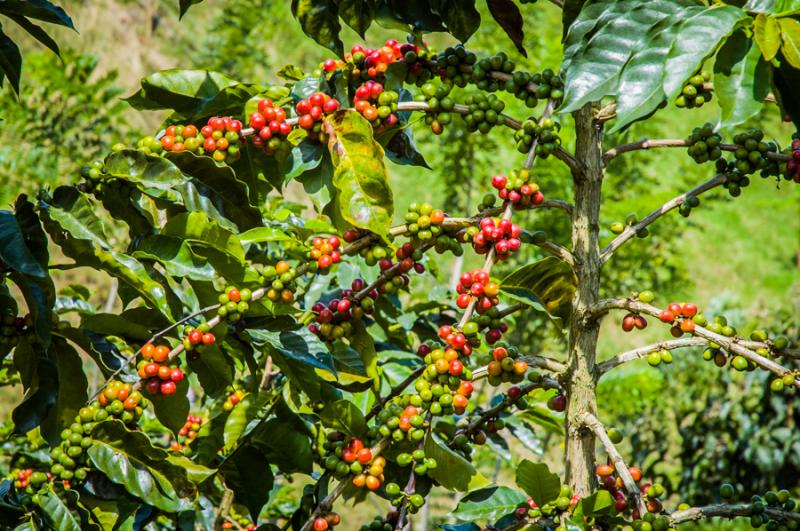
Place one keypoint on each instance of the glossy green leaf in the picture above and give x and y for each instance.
(263, 235)
(128, 458)
(545, 418)
(786, 81)
(364, 198)
(597, 503)
(237, 421)
(186, 4)
(70, 219)
(214, 370)
(357, 14)
(460, 16)
(344, 416)
(602, 40)
(72, 389)
(319, 19)
(36, 32)
(180, 90)
(118, 515)
(508, 15)
(546, 285)
(453, 472)
(285, 443)
(116, 325)
(175, 255)
(39, 377)
(790, 36)
(741, 80)
(37, 9)
(488, 504)
(58, 511)
(569, 12)
(171, 411)
(195, 472)
(248, 474)
(10, 61)
(538, 482)
(767, 33)
(361, 341)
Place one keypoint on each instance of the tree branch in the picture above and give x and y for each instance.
(673, 203)
(728, 511)
(642, 352)
(734, 344)
(674, 142)
(540, 362)
(591, 422)
(395, 391)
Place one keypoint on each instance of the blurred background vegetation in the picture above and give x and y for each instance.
(689, 424)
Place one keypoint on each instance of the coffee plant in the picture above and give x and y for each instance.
(257, 343)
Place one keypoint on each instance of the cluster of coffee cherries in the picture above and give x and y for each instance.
(630, 220)
(659, 356)
(735, 180)
(270, 126)
(220, 138)
(633, 320)
(490, 321)
(553, 510)
(423, 221)
(311, 110)
(344, 456)
(751, 155)
(506, 365)
(704, 144)
(395, 274)
(12, 326)
(234, 398)
(543, 131)
(187, 433)
(326, 521)
(372, 63)
(239, 521)
(518, 189)
(333, 319)
(484, 112)
(610, 480)
(718, 325)
(695, 93)
(325, 251)
(440, 105)
(499, 234)
(156, 373)
(781, 500)
(118, 400)
(691, 201)
(28, 479)
(404, 421)
(476, 285)
(234, 303)
(377, 105)
(372, 254)
(280, 281)
(194, 337)
(680, 316)
(445, 382)
(382, 523)
(792, 171)
(456, 65)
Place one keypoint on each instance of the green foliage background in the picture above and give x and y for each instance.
(70, 112)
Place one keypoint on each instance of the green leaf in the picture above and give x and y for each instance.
(36, 32)
(171, 411)
(786, 80)
(207, 237)
(37, 9)
(741, 80)
(488, 504)
(285, 443)
(237, 421)
(545, 418)
(263, 235)
(364, 198)
(214, 370)
(767, 32)
(673, 50)
(790, 35)
(248, 474)
(569, 12)
(361, 341)
(175, 255)
(597, 503)
(10, 61)
(546, 285)
(116, 325)
(319, 19)
(72, 389)
(195, 472)
(180, 90)
(401, 148)
(507, 14)
(58, 511)
(453, 472)
(357, 14)
(186, 4)
(118, 514)
(14, 251)
(70, 219)
(460, 16)
(344, 416)
(128, 458)
(700, 36)
(538, 482)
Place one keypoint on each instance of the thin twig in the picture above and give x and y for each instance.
(729, 511)
(642, 352)
(591, 422)
(631, 230)
(674, 142)
(395, 391)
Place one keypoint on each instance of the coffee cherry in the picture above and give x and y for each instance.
(695, 93)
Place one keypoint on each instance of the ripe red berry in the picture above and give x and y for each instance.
(320, 524)
(689, 310)
(666, 316)
(208, 338)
